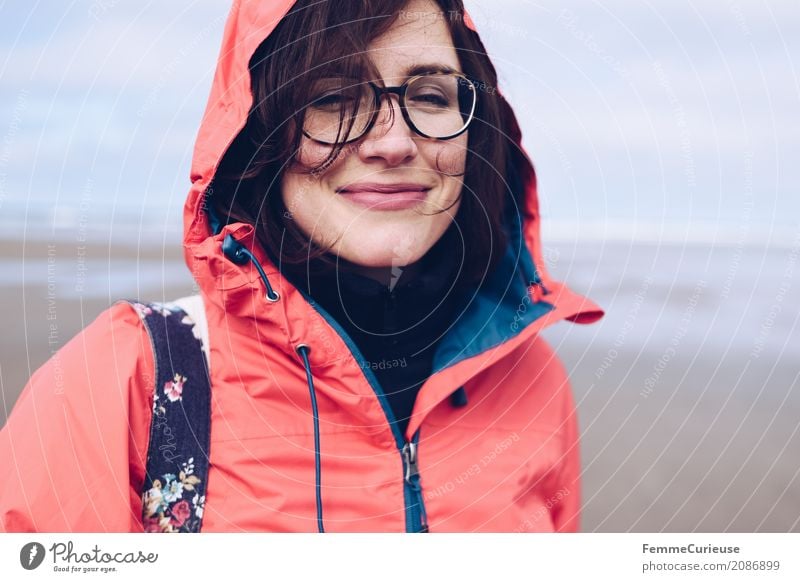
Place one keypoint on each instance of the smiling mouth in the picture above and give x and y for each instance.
(385, 197)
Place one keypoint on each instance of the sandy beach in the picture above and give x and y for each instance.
(53, 290)
(688, 391)
(689, 388)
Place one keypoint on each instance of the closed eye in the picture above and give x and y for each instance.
(431, 99)
(332, 101)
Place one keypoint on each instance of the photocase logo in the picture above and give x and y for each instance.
(31, 555)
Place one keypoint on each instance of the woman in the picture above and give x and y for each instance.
(363, 228)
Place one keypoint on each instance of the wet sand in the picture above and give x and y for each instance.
(55, 290)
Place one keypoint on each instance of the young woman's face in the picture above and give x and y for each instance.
(374, 228)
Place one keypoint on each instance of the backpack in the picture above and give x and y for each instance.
(176, 471)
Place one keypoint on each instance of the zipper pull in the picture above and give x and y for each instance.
(412, 479)
(410, 457)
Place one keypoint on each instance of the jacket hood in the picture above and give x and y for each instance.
(233, 286)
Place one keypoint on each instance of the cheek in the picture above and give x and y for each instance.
(311, 154)
(449, 158)
(450, 164)
(304, 177)
(292, 191)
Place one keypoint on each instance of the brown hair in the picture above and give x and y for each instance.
(313, 39)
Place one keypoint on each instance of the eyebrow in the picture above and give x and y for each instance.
(417, 69)
(428, 68)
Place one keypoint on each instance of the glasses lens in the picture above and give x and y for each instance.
(339, 111)
(440, 105)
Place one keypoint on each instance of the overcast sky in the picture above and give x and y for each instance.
(664, 114)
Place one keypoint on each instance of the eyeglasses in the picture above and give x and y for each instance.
(434, 105)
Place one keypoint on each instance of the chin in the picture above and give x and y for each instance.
(383, 251)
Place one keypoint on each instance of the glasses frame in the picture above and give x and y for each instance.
(400, 91)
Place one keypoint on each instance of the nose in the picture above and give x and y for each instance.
(390, 138)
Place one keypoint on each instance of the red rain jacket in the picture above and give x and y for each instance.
(74, 448)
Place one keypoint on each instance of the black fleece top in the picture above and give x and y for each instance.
(397, 327)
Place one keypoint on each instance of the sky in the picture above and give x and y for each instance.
(640, 117)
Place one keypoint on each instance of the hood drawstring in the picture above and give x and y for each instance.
(239, 255)
(303, 350)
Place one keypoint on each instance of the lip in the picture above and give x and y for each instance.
(377, 196)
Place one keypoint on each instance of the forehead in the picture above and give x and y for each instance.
(419, 35)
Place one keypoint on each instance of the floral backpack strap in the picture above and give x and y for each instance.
(174, 489)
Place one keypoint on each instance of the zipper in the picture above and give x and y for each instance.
(412, 490)
(416, 520)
